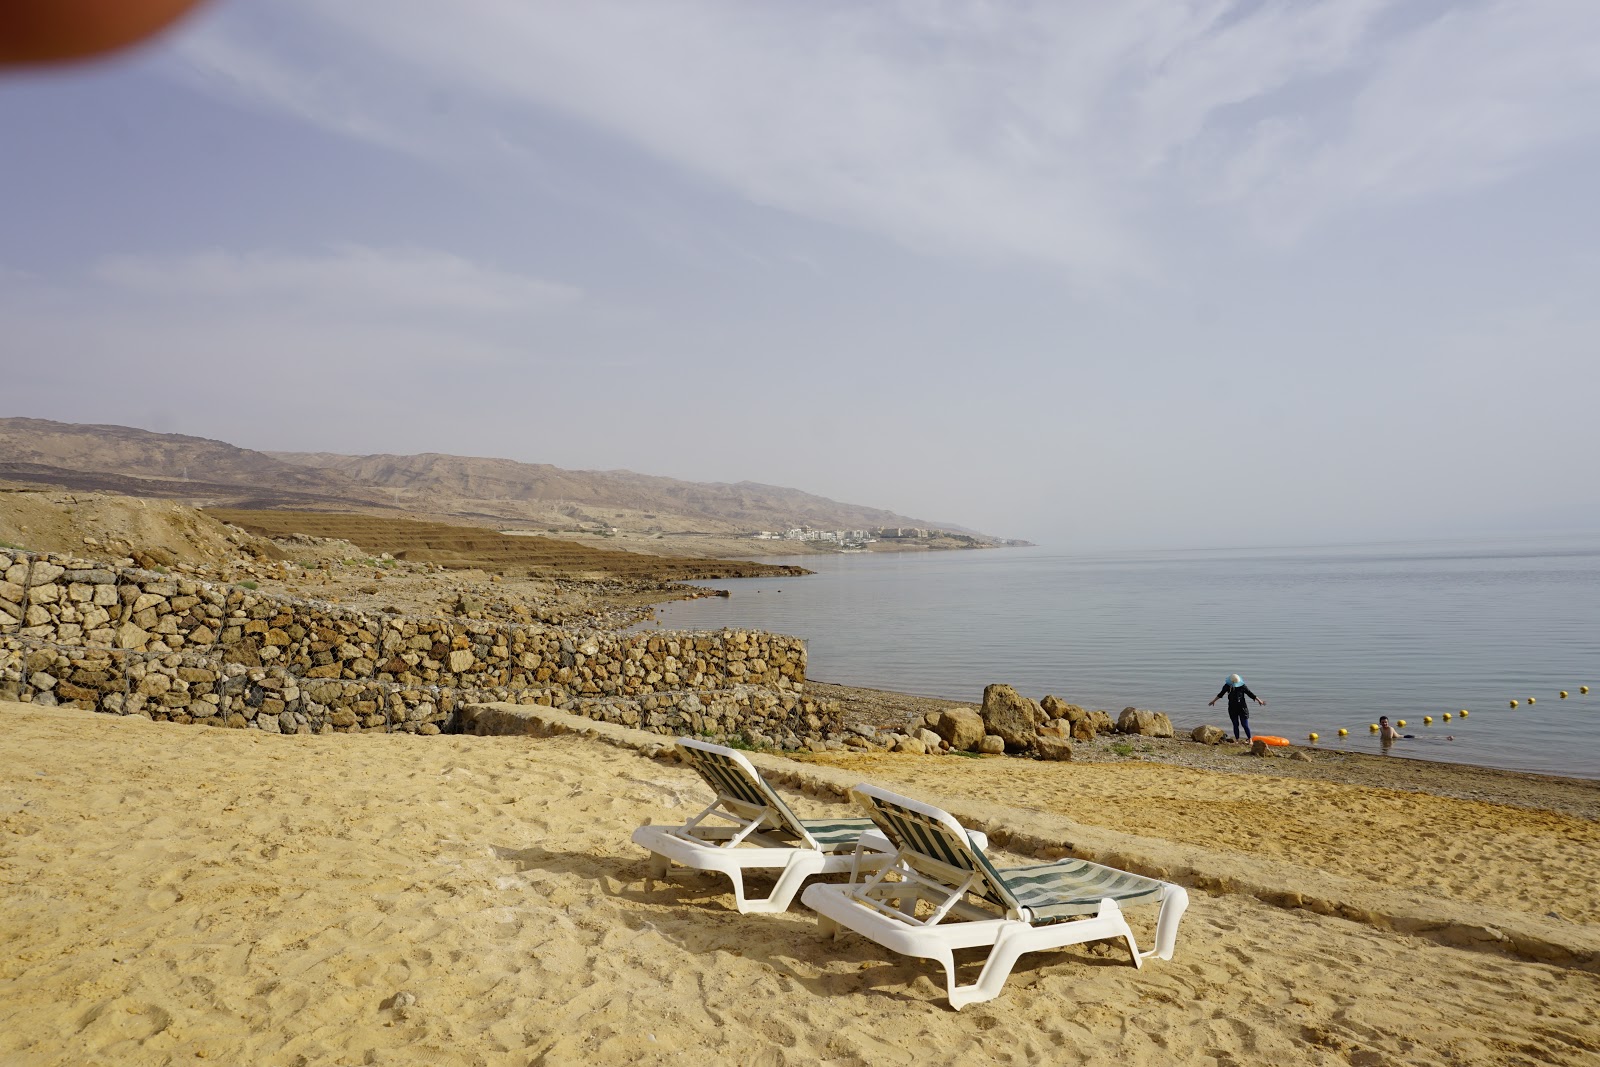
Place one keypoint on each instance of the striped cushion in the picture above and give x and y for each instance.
(1051, 892)
(837, 835)
(1072, 887)
(931, 837)
(728, 778)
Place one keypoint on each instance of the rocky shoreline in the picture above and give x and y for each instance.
(887, 711)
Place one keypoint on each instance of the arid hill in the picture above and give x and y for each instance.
(719, 506)
(653, 514)
(462, 547)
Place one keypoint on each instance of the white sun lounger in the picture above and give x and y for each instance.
(749, 826)
(968, 903)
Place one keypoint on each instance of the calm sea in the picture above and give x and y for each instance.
(1330, 637)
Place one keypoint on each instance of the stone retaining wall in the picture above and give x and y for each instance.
(173, 647)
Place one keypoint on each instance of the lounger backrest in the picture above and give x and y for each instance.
(922, 830)
(739, 785)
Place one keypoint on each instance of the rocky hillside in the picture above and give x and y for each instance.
(715, 505)
(660, 513)
(126, 451)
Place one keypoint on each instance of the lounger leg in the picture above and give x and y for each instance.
(1173, 904)
(657, 869)
(996, 969)
(782, 894)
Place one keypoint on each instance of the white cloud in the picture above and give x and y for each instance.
(1037, 131)
(348, 278)
(1452, 105)
(217, 58)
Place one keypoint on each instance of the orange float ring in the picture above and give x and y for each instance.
(1270, 740)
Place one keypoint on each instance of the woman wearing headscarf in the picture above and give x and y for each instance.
(1238, 704)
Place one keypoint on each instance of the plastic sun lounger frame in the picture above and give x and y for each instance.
(748, 826)
(1014, 911)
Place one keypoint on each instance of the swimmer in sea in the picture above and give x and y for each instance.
(1387, 733)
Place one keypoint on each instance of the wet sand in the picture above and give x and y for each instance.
(173, 893)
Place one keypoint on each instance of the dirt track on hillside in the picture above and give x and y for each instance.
(463, 547)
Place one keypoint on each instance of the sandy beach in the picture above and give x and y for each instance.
(173, 894)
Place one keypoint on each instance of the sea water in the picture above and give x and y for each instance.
(1330, 637)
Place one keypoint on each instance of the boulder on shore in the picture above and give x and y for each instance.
(1144, 723)
(992, 744)
(1056, 708)
(961, 728)
(1048, 747)
(1011, 715)
(1207, 734)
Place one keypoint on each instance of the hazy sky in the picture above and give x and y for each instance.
(1145, 273)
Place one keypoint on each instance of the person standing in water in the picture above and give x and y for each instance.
(1238, 704)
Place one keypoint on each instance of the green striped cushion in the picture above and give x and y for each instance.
(931, 837)
(1051, 892)
(837, 835)
(1068, 888)
(728, 778)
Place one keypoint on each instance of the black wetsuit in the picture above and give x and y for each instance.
(1239, 707)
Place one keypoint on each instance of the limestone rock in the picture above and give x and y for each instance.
(1047, 747)
(913, 745)
(130, 636)
(1057, 708)
(930, 740)
(1300, 755)
(962, 728)
(1083, 729)
(1013, 716)
(1207, 734)
(1261, 748)
(1144, 723)
(992, 744)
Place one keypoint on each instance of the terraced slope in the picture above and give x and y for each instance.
(464, 547)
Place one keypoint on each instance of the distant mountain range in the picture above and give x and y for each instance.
(498, 492)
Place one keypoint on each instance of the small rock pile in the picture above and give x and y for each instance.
(1011, 723)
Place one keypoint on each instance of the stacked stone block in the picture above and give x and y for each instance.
(179, 649)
